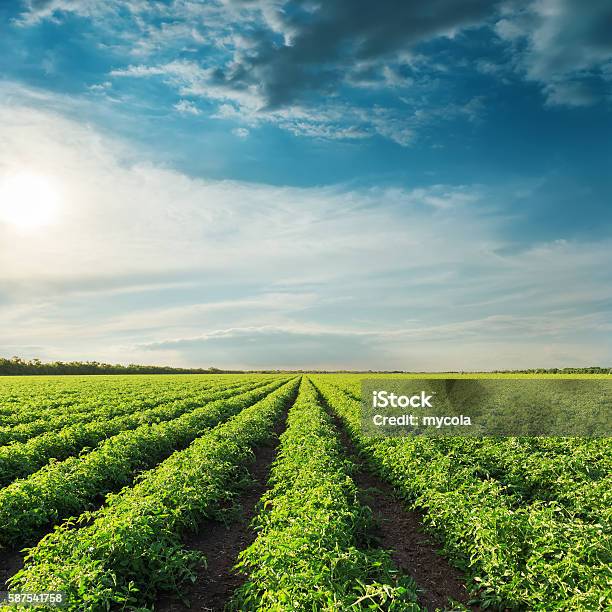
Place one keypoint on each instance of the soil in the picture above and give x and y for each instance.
(10, 563)
(400, 531)
(215, 584)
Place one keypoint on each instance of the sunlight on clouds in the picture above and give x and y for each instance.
(28, 200)
(125, 216)
(146, 263)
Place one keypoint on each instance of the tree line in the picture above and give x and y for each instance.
(16, 366)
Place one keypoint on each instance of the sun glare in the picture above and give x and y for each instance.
(28, 200)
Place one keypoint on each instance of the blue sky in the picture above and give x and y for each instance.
(292, 184)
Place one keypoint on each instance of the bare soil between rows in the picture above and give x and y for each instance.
(11, 562)
(400, 531)
(215, 584)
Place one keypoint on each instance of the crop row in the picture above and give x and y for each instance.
(307, 554)
(18, 396)
(573, 472)
(521, 556)
(87, 411)
(66, 488)
(49, 398)
(124, 553)
(23, 458)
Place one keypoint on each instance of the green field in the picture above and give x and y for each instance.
(127, 490)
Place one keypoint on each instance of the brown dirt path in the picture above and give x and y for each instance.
(400, 530)
(216, 583)
(10, 563)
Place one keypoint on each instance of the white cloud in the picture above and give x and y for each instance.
(147, 264)
(332, 120)
(40, 10)
(186, 107)
(241, 133)
(191, 79)
(509, 29)
(147, 32)
(101, 87)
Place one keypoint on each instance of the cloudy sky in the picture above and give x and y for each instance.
(290, 183)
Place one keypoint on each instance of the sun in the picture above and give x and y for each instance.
(28, 200)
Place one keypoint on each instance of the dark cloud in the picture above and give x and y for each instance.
(311, 47)
(567, 44)
(286, 51)
(572, 35)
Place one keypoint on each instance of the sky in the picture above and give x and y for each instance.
(297, 184)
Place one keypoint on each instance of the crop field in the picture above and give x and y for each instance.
(261, 492)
